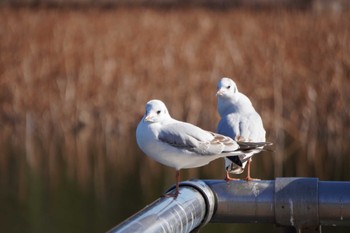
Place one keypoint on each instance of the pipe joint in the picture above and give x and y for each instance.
(296, 202)
(208, 196)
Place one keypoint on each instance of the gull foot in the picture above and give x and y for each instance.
(173, 195)
(228, 178)
(251, 179)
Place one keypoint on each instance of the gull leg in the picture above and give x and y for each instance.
(177, 178)
(249, 178)
(176, 193)
(228, 177)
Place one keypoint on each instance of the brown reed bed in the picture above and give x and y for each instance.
(73, 84)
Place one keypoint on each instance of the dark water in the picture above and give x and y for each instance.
(92, 190)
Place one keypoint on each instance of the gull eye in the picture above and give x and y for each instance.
(158, 112)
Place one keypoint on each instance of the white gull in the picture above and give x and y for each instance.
(239, 121)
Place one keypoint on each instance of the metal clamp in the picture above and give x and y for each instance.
(296, 203)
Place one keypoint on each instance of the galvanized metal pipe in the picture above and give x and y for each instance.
(334, 203)
(302, 203)
(193, 208)
(243, 202)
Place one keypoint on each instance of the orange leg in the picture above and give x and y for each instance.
(176, 193)
(249, 178)
(228, 178)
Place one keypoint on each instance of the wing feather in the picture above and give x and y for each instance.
(189, 137)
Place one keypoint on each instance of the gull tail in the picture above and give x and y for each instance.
(247, 146)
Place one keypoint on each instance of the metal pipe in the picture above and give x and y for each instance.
(243, 202)
(297, 202)
(334, 203)
(302, 203)
(192, 209)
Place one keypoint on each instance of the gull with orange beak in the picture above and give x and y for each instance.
(182, 145)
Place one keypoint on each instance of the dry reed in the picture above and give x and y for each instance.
(74, 83)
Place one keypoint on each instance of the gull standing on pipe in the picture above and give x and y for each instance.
(240, 121)
(182, 145)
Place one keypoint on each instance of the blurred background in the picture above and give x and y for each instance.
(75, 76)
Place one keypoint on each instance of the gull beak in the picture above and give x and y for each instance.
(219, 92)
(149, 118)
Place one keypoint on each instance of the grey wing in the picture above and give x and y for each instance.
(177, 135)
(229, 126)
(242, 127)
(251, 128)
(246, 128)
(192, 138)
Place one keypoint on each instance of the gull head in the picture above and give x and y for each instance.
(156, 111)
(226, 88)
